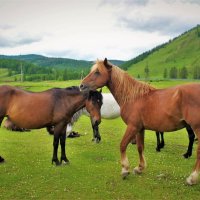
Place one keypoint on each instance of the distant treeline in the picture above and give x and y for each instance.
(181, 73)
(32, 72)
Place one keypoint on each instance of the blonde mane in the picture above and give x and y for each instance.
(124, 87)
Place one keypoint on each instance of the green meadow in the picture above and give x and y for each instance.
(94, 169)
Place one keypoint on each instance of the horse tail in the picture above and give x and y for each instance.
(6, 92)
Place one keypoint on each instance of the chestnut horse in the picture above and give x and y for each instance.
(144, 107)
(53, 107)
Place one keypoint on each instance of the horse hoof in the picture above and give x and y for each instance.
(125, 175)
(157, 149)
(96, 140)
(187, 155)
(57, 163)
(161, 145)
(64, 161)
(137, 170)
(192, 179)
(1, 160)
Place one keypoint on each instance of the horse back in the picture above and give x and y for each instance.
(165, 109)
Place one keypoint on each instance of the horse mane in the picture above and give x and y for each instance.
(77, 115)
(124, 87)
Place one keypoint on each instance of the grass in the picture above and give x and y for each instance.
(183, 51)
(94, 169)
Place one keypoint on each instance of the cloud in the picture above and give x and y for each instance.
(124, 2)
(18, 41)
(191, 1)
(5, 27)
(160, 24)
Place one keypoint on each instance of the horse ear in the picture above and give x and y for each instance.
(100, 90)
(107, 64)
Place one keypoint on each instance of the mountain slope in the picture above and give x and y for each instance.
(183, 51)
(44, 61)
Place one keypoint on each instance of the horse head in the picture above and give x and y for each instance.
(98, 77)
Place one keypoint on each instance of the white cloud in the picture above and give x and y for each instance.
(92, 29)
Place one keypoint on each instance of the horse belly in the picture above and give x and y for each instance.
(29, 117)
(164, 120)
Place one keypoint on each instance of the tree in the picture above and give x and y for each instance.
(196, 72)
(173, 73)
(146, 72)
(198, 31)
(165, 74)
(183, 72)
(65, 76)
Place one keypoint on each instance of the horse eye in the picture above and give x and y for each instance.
(97, 73)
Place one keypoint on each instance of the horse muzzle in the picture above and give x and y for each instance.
(84, 88)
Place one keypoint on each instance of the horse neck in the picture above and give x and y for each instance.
(124, 88)
(78, 103)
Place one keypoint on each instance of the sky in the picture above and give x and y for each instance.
(92, 29)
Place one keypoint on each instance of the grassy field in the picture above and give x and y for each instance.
(94, 169)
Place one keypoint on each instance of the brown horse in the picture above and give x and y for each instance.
(144, 107)
(53, 107)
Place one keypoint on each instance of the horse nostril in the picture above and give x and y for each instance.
(82, 86)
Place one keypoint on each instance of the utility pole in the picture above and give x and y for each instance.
(81, 74)
(22, 74)
(21, 69)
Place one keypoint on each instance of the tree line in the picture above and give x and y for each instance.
(181, 73)
(32, 72)
(174, 72)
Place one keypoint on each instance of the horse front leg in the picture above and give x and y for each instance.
(62, 143)
(128, 136)
(96, 135)
(140, 147)
(193, 178)
(58, 129)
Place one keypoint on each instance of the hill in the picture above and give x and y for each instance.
(37, 67)
(181, 53)
(44, 61)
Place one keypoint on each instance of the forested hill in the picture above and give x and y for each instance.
(37, 68)
(179, 58)
(44, 61)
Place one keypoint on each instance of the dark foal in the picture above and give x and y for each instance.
(191, 136)
(53, 107)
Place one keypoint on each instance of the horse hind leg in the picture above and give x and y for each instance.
(191, 137)
(1, 158)
(160, 143)
(193, 178)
